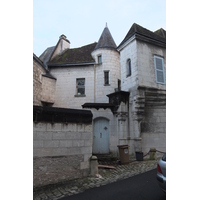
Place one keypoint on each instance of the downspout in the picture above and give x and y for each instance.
(129, 134)
(94, 83)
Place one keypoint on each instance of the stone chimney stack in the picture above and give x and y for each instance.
(64, 43)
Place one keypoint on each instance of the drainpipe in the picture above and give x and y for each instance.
(94, 83)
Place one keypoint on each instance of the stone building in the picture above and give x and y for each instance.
(124, 87)
(43, 84)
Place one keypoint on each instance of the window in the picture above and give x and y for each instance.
(80, 87)
(159, 70)
(128, 68)
(99, 59)
(106, 78)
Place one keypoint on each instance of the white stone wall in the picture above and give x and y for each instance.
(129, 52)
(66, 86)
(142, 60)
(145, 62)
(110, 62)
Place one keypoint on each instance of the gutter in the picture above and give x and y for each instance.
(70, 64)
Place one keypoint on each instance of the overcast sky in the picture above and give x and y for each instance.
(83, 21)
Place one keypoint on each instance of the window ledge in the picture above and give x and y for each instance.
(106, 84)
(80, 95)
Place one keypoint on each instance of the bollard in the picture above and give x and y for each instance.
(93, 166)
(152, 154)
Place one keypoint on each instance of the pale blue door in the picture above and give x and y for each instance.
(101, 136)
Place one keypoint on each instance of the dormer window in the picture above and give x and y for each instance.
(99, 59)
(128, 68)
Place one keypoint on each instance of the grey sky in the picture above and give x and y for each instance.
(83, 21)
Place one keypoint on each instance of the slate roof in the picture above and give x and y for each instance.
(47, 73)
(75, 56)
(161, 32)
(45, 56)
(145, 34)
(106, 40)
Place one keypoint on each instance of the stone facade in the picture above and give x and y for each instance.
(37, 83)
(43, 84)
(147, 98)
(131, 69)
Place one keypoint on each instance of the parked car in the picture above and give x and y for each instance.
(161, 172)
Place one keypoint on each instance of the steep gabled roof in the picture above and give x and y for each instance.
(74, 56)
(143, 33)
(106, 40)
(161, 32)
(46, 55)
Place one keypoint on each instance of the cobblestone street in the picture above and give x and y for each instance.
(104, 177)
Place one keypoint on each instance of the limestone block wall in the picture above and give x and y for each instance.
(48, 89)
(145, 62)
(61, 152)
(65, 94)
(37, 83)
(153, 129)
(62, 144)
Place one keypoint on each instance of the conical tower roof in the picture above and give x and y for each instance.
(106, 40)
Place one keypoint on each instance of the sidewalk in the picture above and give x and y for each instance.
(105, 176)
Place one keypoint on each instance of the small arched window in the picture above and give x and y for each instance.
(128, 68)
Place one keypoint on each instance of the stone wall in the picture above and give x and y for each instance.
(43, 85)
(37, 82)
(61, 150)
(153, 129)
(48, 89)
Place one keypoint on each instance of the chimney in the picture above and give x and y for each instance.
(63, 36)
(64, 43)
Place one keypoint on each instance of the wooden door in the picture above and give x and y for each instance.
(101, 136)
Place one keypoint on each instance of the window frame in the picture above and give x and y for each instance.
(99, 56)
(106, 76)
(159, 70)
(79, 87)
(128, 67)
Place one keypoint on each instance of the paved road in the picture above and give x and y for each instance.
(140, 187)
